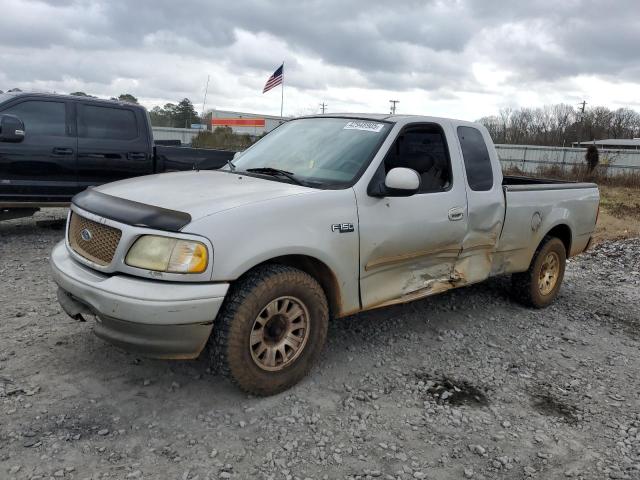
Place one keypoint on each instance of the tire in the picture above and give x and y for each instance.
(285, 312)
(536, 287)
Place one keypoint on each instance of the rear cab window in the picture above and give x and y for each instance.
(106, 123)
(477, 162)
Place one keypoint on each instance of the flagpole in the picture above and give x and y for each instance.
(204, 101)
(282, 92)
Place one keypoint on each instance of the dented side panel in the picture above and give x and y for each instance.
(410, 249)
(485, 217)
(409, 245)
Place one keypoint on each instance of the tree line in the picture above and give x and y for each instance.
(179, 115)
(561, 124)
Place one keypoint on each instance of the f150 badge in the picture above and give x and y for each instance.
(342, 227)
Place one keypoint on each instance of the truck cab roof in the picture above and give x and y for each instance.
(397, 118)
(59, 96)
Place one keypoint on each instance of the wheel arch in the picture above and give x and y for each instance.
(563, 232)
(317, 269)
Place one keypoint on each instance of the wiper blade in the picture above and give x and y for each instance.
(276, 172)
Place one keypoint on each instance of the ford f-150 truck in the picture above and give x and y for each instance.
(324, 217)
(54, 146)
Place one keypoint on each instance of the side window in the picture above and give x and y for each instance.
(40, 117)
(106, 123)
(423, 149)
(476, 159)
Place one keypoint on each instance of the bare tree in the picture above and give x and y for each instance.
(561, 124)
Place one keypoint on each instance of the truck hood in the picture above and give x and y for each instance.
(200, 193)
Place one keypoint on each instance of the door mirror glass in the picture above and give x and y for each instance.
(401, 182)
(11, 129)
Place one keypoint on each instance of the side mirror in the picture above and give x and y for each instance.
(11, 129)
(399, 182)
(237, 155)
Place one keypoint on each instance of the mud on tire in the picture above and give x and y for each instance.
(538, 287)
(259, 309)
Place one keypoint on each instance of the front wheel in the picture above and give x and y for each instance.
(539, 286)
(271, 329)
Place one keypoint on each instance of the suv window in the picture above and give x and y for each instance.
(106, 123)
(40, 117)
(476, 159)
(424, 149)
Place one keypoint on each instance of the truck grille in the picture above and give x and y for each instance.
(92, 240)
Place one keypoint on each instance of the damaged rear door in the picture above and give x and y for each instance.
(485, 206)
(410, 245)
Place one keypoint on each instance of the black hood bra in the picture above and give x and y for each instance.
(130, 212)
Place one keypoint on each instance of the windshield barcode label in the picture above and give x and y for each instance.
(366, 126)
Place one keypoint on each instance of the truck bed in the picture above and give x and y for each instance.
(508, 180)
(521, 183)
(172, 159)
(535, 206)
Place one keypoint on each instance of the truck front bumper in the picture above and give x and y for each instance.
(154, 318)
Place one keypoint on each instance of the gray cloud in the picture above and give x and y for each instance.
(163, 48)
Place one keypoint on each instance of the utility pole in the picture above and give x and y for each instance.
(323, 107)
(583, 104)
(393, 106)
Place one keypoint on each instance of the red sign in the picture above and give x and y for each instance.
(238, 122)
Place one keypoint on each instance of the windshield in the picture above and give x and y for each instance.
(4, 97)
(318, 151)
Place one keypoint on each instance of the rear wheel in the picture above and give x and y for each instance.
(539, 286)
(271, 329)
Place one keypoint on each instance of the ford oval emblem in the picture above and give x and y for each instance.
(85, 233)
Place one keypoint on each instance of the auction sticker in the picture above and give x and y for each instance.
(364, 125)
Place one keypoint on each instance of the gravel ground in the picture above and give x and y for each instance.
(464, 385)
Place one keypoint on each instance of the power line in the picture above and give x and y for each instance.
(393, 106)
(323, 107)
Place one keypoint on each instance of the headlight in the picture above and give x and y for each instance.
(165, 254)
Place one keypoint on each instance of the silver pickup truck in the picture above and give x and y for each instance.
(325, 217)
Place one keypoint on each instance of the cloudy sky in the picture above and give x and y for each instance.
(463, 58)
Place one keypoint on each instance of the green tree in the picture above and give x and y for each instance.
(185, 114)
(181, 115)
(126, 97)
(81, 94)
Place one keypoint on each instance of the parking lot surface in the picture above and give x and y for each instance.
(468, 384)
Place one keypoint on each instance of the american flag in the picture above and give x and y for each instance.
(275, 79)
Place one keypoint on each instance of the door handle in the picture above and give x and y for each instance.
(456, 213)
(62, 151)
(136, 156)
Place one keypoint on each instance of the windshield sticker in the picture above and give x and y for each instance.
(363, 125)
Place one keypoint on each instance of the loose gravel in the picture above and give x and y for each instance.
(466, 385)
